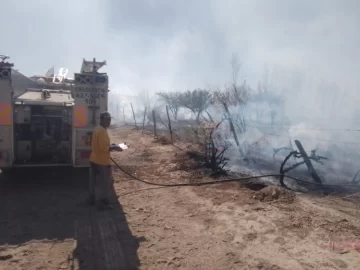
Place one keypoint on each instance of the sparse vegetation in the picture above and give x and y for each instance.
(215, 157)
(172, 100)
(197, 101)
(189, 116)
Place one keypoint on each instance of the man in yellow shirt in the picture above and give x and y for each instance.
(101, 179)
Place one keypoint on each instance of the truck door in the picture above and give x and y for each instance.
(90, 96)
(6, 116)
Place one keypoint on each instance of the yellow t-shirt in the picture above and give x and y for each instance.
(100, 144)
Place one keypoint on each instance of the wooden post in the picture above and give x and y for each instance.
(143, 124)
(133, 114)
(154, 120)
(308, 163)
(169, 121)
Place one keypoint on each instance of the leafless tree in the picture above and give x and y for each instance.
(236, 96)
(233, 97)
(147, 101)
(274, 101)
(236, 66)
(172, 100)
(197, 101)
(240, 94)
(225, 98)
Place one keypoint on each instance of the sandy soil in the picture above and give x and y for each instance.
(45, 223)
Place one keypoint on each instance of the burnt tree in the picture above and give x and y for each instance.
(301, 154)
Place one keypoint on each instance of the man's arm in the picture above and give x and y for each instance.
(104, 144)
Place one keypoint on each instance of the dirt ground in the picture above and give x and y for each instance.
(46, 224)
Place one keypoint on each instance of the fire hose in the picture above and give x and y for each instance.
(228, 180)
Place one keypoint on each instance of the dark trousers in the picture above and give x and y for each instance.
(100, 182)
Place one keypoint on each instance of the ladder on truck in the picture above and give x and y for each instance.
(6, 113)
(90, 98)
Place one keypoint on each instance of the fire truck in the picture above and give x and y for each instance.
(48, 120)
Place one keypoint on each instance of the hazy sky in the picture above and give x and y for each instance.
(163, 44)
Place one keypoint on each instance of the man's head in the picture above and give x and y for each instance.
(105, 119)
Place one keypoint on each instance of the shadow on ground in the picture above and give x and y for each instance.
(39, 204)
